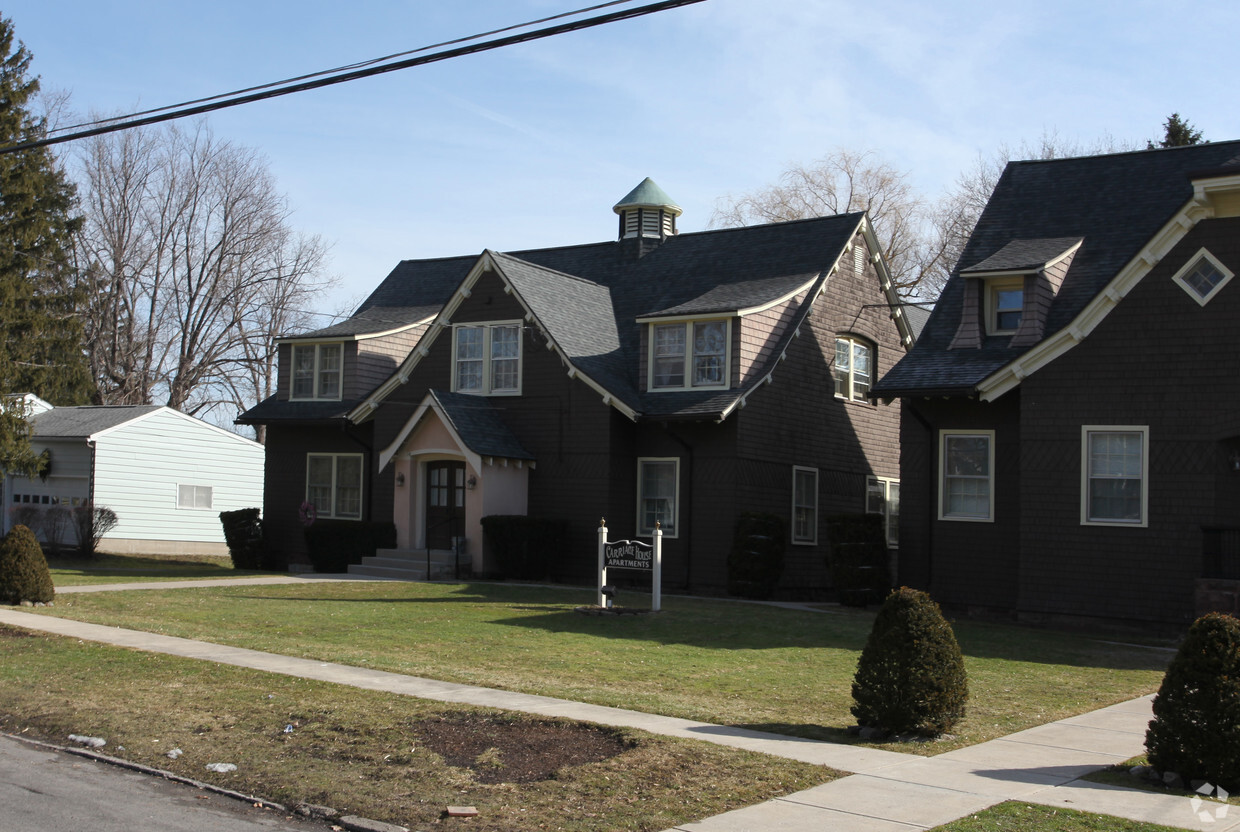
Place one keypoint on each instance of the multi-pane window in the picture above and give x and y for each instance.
(1113, 474)
(853, 369)
(334, 485)
(967, 465)
(1006, 299)
(804, 505)
(1203, 277)
(657, 495)
(687, 355)
(882, 496)
(316, 371)
(194, 496)
(487, 359)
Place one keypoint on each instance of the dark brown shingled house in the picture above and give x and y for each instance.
(661, 377)
(1071, 425)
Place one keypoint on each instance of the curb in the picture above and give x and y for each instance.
(350, 822)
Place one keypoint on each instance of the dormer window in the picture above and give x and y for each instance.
(1005, 302)
(689, 355)
(317, 371)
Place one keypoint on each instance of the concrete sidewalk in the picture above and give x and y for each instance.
(887, 790)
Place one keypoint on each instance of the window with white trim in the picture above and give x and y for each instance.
(487, 358)
(1005, 304)
(658, 480)
(689, 355)
(317, 370)
(966, 475)
(882, 496)
(804, 505)
(1114, 472)
(194, 496)
(1203, 276)
(334, 485)
(854, 360)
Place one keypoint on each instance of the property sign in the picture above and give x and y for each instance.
(628, 554)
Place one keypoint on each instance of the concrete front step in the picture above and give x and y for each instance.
(410, 565)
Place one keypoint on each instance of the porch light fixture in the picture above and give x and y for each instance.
(471, 482)
(400, 480)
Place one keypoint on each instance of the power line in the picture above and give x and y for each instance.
(362, 70)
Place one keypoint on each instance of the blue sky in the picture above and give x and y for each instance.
(530, 146)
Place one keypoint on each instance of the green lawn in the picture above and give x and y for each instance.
(71, 570)
(717, 661)
(1021, 817)
(363, 752)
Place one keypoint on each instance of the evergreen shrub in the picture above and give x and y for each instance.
(334, 544)
(1196, 727)
(524, 547)
(24, 575)
(910, 677)
(756, 561)
(858, 558)
(243, 532)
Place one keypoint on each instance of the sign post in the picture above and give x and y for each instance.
(635, 555)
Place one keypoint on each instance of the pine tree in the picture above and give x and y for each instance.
(39, 326)
(1176, 133)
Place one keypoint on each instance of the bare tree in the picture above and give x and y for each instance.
(192, 268)
(848, 180)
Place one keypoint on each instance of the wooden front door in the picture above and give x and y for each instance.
(445, 503)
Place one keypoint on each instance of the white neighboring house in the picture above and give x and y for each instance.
(165, 474)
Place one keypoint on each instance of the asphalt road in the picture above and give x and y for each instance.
(51, 791)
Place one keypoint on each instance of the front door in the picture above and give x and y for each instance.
(445, 503)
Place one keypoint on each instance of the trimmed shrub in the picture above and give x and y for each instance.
(92, 522)
(334, 544)
(756, 561)
(524, 547)
(910, 677)
(1196, 727)
(858, 558)
(243, 532)
(24, 575)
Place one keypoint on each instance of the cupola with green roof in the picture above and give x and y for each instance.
(647, 211)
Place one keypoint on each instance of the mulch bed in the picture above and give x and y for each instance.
(499, 749)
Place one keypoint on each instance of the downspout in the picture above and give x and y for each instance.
(688, 533)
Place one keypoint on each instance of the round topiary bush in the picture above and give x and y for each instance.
(1196, 727)
(24, 575)
(910, 677)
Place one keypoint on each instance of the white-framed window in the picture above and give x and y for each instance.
(487, 358)
(334, 485)
(658, 495)
(1005, 303)
(1203, 276)
(317, 371)
(194, 496)
(689, 355)
(966, 475)
(1114, 475)
(804, 505)
(882, 496)
(854, 363)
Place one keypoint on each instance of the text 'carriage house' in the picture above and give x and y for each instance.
(678, 379)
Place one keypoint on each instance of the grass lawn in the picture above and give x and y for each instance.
(72, 570)
(1118, 775)
(361, 752)
(1019, 817)
(716, 661)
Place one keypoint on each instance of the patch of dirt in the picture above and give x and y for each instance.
(9, 632)
(506, 750)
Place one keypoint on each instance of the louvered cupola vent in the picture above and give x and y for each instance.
(647, 212)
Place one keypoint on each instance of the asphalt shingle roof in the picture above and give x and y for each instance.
(1115, 203)
(479, 425)
(1023, 254)
(73, 422)
(272, 409)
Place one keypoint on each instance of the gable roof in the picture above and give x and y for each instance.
(587, 301)
(1117, 204)
(474, 422)
(83, 422)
